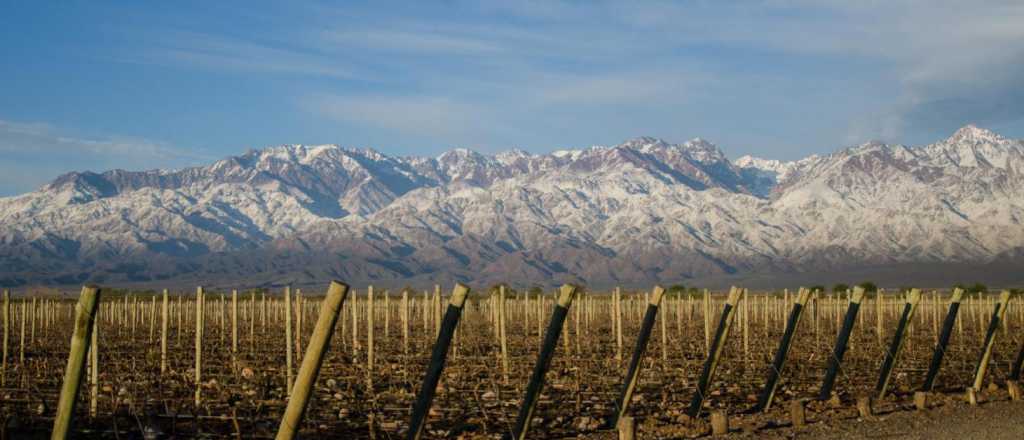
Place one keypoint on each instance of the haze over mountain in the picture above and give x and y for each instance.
(637, 213)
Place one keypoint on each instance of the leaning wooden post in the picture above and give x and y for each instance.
(199, 344)
(836, 360)
(892, 354)
(437, 360)
(561, 310)
(311, 362)
(717, 345)
(940, 347)
(629, 385)
(990, 337)
(85, 315)
(1016, 368)
(768, 393)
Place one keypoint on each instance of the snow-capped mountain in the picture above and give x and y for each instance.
(640, 212)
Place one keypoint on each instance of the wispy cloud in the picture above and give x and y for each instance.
(35, 152)
(217, 52)
(431, 42)
(438, 118)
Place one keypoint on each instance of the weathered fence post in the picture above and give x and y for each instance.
(835, 362)
(200, 321)
(437, 360)
(21, 343)
(7, 328)
(533, 388)
(85, 314)
(163, 334)
(940, 347)
(289, 380)
(629, 385)
(715, 352)
(94, 369)
(1015, 370)
(501, 334)
(990, 336)
(234, 330)
(768, 393)
(893, 353)
(311, 362)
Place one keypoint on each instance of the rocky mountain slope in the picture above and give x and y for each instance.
(640, 212)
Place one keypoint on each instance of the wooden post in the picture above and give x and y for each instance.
(297, 308)
(707, 323)
(627, 428)
(892, 354)
(437, 309)
(533, 389)
(405, 322)
(865, 407)
(835, 362)
(289, 380)
(7, 336)
(355, 324)
(298, 400)
(152, 318)
(664, 329)
(200, 321)
(921, 400)
(501, 335)
(719, 423)
(778, 363)
(746, 326)
(797, 413)
(252, 321)
(234, 329)
(369, 331)
(629, 384)
(437, 360)
(940, 346)
(163, 334)
(94, 369)
(32, 326)
(990, 336)
(717, 345)
(617, 310)
(21, 344)
(85, 315)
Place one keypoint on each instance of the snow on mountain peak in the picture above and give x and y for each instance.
(974, 134)
(642, 211)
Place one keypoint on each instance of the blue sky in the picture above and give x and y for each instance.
(136, 85)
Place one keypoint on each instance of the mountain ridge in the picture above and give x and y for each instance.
(642, 211)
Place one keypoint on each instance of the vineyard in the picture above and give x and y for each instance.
(496, 363)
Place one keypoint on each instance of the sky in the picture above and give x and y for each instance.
(94, 85)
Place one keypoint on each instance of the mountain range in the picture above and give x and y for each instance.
(642, 212)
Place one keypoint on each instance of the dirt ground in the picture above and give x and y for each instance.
(948, 419)
(993, 421)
